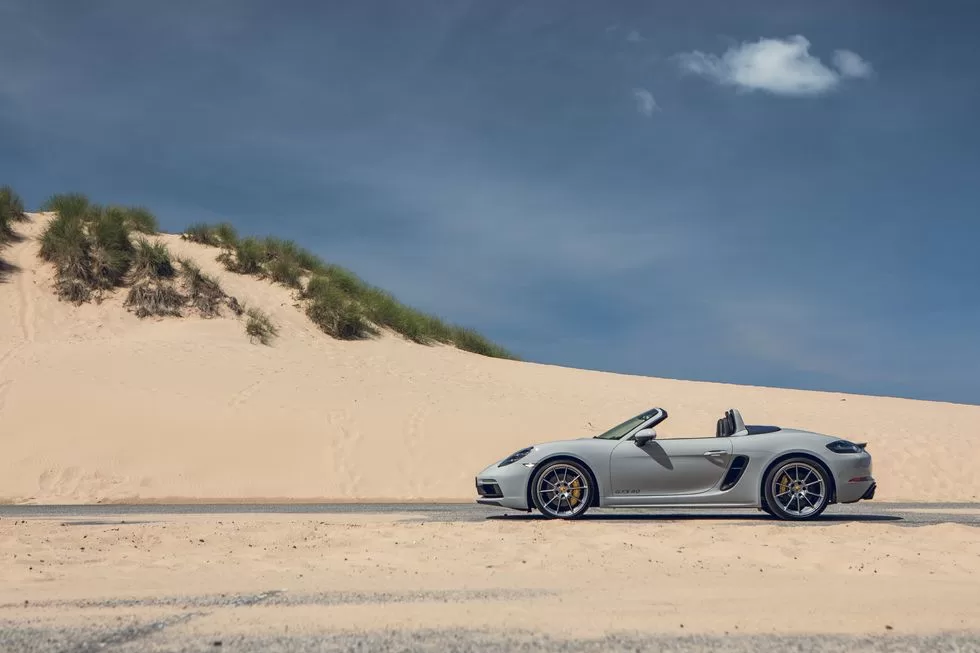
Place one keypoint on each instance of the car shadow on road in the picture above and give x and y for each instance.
(705, 517)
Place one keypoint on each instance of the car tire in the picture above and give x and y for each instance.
(565, 481)
(796, 489)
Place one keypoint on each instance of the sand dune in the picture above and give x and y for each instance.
(98, 405)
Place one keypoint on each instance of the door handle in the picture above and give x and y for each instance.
(715, 452)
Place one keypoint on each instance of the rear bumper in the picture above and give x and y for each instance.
(853, 473)
(870, 494)
(857, 491)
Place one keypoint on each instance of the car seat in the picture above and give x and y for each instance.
(727, 425)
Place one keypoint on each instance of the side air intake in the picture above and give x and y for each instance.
(739, 463)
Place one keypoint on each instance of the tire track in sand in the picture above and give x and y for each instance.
(26, 288)
(24, 260)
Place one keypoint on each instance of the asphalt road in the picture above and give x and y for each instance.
(902, 514)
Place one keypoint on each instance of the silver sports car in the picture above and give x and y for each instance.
(788, 473)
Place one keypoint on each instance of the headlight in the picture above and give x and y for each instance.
(514, 457)
(843, 446)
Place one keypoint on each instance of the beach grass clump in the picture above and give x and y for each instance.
(151, 261)
(72, 289)
(216, 235)
(287, 250)
(201, 233)
(335, 312)
(286, 271)
(384, 310)
(153, 291)
(338, 301)
(281, 261)
(472, 341)
(91, 246)
(154, 297)
(259, 326)
(11, 210)
(203, 291)
(6, 231)
(140, 219)
(346, 281)
(111, 249)
(67, 205)
(226, 233)
(247, 257)
(66, 244)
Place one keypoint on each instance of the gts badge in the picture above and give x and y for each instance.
(626, 492)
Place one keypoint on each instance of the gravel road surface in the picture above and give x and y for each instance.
(153, 637)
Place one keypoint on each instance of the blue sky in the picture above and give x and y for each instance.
(775, 193)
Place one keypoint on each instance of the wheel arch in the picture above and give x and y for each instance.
(593, 500)
(797, 454)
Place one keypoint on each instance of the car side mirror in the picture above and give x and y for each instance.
(643, 436)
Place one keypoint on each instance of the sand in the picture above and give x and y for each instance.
(561, 579)
(97, 405)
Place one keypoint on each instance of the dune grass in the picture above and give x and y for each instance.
(335, 312)
(91, 245)
(204, 292)
(151, 297)
(259, 326)
(285, 272)
(217, 235)
(152, 274)
(151, 261)
(98, 248)
(67, 205)
(338, 301)
(140, 219)
(67, 244)
(11, 211)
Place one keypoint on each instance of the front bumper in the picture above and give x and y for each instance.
(505, 487)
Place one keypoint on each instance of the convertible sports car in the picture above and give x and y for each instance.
(788, 473)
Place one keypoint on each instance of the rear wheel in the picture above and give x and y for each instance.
(797, 489)
(562, 490)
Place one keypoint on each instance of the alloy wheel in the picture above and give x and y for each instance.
(562, 490)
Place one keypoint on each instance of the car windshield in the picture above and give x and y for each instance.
(620, 430)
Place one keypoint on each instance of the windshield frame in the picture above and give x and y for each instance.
(630, 426)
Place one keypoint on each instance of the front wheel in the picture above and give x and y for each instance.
(797, 489)
(561, 490)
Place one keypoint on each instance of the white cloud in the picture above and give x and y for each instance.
(850, 64)
(634, 37)
(778, 66)
(645, 103)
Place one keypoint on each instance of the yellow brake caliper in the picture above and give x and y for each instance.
(576, 488)
(784, 483)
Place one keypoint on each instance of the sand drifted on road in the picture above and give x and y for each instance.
(98, 405)
(221, 576)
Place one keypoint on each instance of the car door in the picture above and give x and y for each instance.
(668, 467)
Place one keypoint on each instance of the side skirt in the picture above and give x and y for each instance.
(671, 502)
